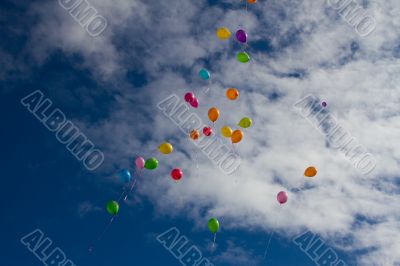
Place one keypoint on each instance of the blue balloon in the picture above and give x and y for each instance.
(125, 175)
(204, 74)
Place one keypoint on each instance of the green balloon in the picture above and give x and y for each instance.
(245, 122)
(151, 164)
(243, 57)
(113, 207)
(213, 225)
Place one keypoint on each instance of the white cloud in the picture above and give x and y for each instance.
(170, 41)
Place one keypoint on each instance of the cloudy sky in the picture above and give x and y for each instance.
(109, 86)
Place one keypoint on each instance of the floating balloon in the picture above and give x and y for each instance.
(151, 164)
(194, 103)
(213, 114)
(125, 175)
(232, 93)
(195, 134)
(166, 148)
(241, 36)
(176, 174)
(223, 33)
(310, 171)
(189, 96)
(226, 131)
(324, 104)
(243, 57)
(213, 225)
(245, 122)
(204, 74)
(282, 197)
(113, 207)
(139, 162)
(237, 136)
(251, 1)
(207, 131)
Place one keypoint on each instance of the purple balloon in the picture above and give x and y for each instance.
(194, 103)
(189, 97)
(324, 104)
(282, 197)
(241, 36)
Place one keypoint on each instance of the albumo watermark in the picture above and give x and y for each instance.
(338, 138)
(355, 15)
(66, 132)
(213, 147)
(179, 246)
(86, 15)
(42, 247)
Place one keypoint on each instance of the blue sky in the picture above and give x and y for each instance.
(109, 86)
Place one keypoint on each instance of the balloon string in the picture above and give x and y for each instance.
(215, 238)
(272, 232)
(91, 247)
(130, 190)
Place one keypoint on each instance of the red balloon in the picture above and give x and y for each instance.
(176, 174)
(189, 96)
(207, 131)
(194, 103)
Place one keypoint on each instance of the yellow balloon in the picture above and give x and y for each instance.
(226, 131)
(223, 33)
(237, 136)
(166, 148)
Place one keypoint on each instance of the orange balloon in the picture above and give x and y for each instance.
(213, 114)
(251, 1)
(232, 93)
(310, 171)
(194, 134)
(237, 136)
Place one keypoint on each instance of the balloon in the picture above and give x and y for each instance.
(213, 114)
(223, 33)
(125, 175)
(113, 207)
(282, 197)
(232, 93)
(204, 74)
(194, 103)
(166, 148)
(151, 164)
(213, 225)
(237, 136)
(241, 36)
(194, 134)
(176, 174)
(139, 162)
(189, 96)
(207, 131)
(310, 171)
(251, 1)
(226, 131)
(243, 57)
(324, 104)
(245, 122)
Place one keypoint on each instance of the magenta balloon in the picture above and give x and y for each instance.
(194, 103)
(282, 197)
(139, 162)
(241, 36)
(189, 97)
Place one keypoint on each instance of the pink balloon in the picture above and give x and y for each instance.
(139, 162)
(282, 197)
(189, 97)
(194, 103)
